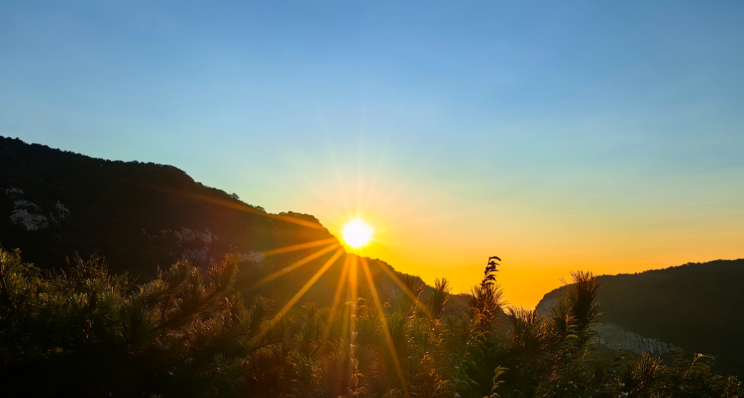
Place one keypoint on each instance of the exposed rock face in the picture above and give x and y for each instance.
(617, 338)
(207, 236)
(187, 235)
(252, 256)
(28, 214)
(197, 255)
(62, 212)
(544, 306)
(614, 336)
(13, 192)
(30, 221)
(194, 245)
(25, 204)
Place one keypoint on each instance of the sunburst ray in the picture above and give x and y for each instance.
(300, 246)
(388, 336)
(337, 297)
(292, 266)
(405, 289)
(300, 293)
(340, 286)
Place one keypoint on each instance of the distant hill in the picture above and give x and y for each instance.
(698, 307)
(141, 216)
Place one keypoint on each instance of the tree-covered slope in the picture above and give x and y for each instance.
(696, 306)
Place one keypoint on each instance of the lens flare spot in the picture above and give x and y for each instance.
(357, 233)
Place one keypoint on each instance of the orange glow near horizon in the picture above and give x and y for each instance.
(420, 235)
(435, 224)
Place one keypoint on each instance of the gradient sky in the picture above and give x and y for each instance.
(603, 136)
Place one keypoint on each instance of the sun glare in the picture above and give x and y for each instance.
(357, 233)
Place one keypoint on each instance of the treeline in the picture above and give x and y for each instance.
(83, 331)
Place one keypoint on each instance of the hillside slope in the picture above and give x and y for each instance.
(696, 306)
(141, 216)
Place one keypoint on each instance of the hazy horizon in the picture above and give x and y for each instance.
(600, 137)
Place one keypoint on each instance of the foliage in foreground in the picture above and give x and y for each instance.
(85, 332)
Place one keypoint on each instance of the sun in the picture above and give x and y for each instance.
(357, 233)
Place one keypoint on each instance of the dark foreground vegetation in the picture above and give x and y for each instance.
(187, 333)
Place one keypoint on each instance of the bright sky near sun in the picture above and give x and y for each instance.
(603, 136)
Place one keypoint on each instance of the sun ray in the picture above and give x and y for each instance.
(405, 289)
(353, 278)
(336, 300)
(299, 294)
(346, 315)
(341, 285)
(354, 286)
(388, 336)
(293, 266)
(300, 246)
(353, 283)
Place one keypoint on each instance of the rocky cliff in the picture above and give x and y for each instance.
(695, 307)
(615, 337)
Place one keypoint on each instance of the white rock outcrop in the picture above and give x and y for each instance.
(617, 338)
(207, 236)
(196, 255)
(62, 212)
(25, 212)
(25, 204)
(185, 235)
(13, 192)
(30, 221)
(544, 307)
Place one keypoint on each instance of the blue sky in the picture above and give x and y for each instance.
(488, 124)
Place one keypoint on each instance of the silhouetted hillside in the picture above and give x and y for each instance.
(141, 216)
(203, 328)
(696, 306)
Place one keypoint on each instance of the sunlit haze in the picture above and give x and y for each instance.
(598, 136)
